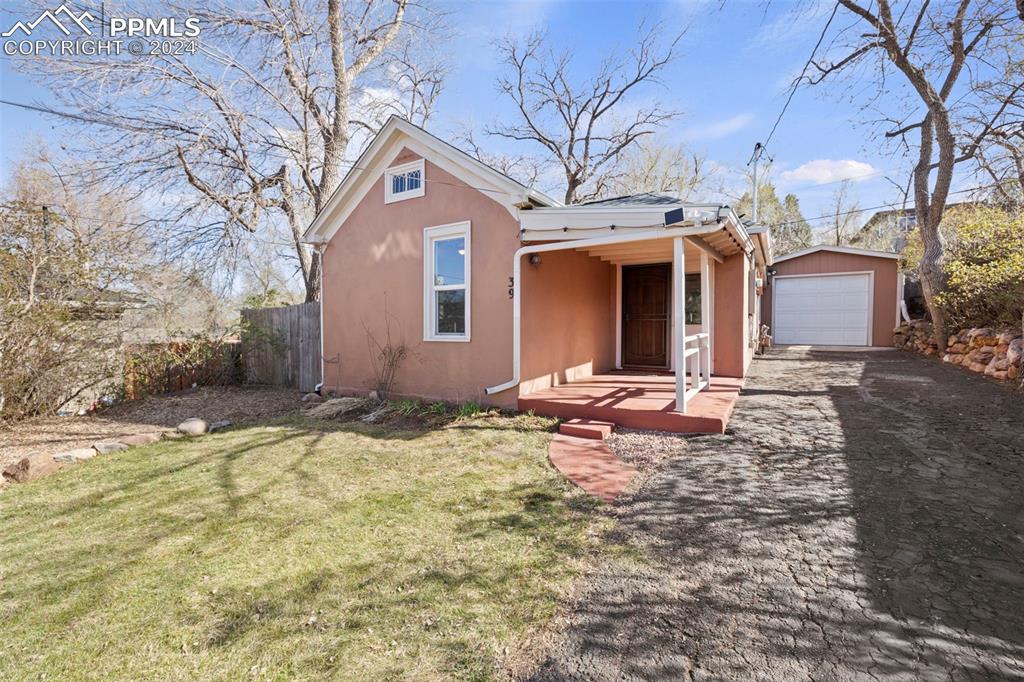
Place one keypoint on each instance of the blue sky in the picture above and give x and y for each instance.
(731, 81)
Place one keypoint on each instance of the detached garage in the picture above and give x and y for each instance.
(833, 296)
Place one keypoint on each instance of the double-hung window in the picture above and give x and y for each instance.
(404, 181)
(446, 282)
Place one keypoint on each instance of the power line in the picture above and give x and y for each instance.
(875, 208)
(803, 72)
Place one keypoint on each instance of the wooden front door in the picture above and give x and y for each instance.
(646, 314)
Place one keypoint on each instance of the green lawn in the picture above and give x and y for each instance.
(294, 550)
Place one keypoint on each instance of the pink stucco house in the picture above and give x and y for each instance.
(641, 309)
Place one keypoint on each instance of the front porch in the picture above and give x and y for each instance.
(639, 401)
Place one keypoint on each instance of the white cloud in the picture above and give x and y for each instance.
(718, 129)
(820, 171)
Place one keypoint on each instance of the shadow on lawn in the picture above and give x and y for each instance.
(71, 543)
(864, 514)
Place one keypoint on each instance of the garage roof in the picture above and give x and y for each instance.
(838, 249)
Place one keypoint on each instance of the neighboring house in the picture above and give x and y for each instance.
(833, 296)
(889, 230)
(886, 230)
(502, 293)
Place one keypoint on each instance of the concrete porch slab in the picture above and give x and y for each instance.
(639, 401)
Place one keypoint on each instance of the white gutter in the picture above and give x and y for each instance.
(663, 233)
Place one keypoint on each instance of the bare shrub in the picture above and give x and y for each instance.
(153, 369)
(386, 357)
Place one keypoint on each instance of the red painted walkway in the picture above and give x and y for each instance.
(638, 401)
(589, 463)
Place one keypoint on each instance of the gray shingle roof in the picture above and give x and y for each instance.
(643, 199)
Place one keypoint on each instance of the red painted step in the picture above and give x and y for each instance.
(587, 428)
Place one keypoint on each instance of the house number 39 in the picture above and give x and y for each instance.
(511, 287)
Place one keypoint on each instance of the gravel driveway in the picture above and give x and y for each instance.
(863, 518)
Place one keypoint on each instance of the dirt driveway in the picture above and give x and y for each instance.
(863, 519)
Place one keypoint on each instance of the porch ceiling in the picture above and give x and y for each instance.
(639, 253)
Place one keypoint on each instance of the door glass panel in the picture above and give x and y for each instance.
(693, 299)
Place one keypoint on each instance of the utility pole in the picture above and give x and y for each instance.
(754, 159)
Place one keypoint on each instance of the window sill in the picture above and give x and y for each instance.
(447, 339)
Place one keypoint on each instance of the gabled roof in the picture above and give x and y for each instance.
(398, 134)
(838, 249)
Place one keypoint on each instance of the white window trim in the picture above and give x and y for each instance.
(389, 196)
(430, 235)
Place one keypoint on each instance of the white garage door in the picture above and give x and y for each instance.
(827, 310)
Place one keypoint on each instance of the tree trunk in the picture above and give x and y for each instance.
(933, 281)
(314, 285)
(928, 209)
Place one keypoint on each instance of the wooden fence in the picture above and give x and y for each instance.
(281, 346)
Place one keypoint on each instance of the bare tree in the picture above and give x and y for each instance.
(936, 48)
(70, 264)
(525, 168)
(248, 137)
(1000, 156)
(656, 166)
(583, 126)
(845, 214)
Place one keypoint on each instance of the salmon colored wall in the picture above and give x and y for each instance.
(732, 351)
(376, 260)
(826, 262)
(568, 323)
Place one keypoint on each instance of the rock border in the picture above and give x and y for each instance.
(998, 354)
(36, 466)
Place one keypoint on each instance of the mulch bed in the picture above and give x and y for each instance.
(153, 414)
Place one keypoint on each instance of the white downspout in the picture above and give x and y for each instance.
(561, 246)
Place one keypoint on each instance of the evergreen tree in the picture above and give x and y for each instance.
(790, 230)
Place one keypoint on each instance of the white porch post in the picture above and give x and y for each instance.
(679, 321)
(705, 316)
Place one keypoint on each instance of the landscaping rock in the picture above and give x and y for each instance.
(340, 407)
(219, 425)
(312, 398)
(193, 427)
(141, 439)
(374, 396)
(74, 456)
(30, 468)
(110, 446)
(1015, 351)
(376, 415)
(171, 434)
(999, 354)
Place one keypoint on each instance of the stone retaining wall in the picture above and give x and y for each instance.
(995, 353)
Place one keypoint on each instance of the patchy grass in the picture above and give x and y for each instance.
(296, 550)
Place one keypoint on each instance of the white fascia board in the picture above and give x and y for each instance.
(541, 220)
(839, 249)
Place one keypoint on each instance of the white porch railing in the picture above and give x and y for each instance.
(696, 353)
